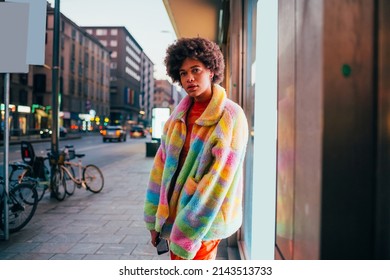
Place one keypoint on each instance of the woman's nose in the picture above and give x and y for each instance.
(190, 78)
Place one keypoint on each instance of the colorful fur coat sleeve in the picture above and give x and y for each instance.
(153, 192)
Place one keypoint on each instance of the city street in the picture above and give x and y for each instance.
(108, 225)
(92, 146)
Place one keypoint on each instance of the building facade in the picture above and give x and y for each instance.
(147, 91)
(163, 94)
(21, 121)
(126, 70)
(84, 76)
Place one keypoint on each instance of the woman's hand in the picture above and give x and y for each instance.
(154, 236)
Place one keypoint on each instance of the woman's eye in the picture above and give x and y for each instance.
(182, 74)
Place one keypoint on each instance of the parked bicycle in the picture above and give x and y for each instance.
(36, 171)
(22, 202)
(89, 177)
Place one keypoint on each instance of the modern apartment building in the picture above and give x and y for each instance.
(147, 90)
(126, 70)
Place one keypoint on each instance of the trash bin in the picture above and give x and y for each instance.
(151, 148)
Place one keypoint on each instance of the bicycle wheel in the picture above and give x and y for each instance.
(40, 188)
(93, 178)
(58, 183)
(70, 185)
(22, 203)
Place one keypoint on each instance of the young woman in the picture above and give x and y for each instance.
(194, 195)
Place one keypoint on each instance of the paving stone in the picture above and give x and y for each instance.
(116, 249)
(21, 247)
(55, 248)
(85, 248)
(32, 256)
(67, 257)
(102, 238)
(101, 257)
(67, 237)
(141, 239)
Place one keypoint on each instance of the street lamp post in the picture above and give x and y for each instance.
(55, 75)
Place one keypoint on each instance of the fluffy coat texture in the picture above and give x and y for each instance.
(208, 191)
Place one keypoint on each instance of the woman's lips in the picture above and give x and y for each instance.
(191, 87)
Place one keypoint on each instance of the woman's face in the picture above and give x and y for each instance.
(195, 78)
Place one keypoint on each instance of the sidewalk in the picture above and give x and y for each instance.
(108, 225)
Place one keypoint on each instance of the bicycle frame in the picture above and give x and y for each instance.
(77, 179)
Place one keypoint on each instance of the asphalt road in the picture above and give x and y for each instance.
(92, 146)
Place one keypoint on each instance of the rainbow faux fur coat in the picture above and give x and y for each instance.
(208, 189)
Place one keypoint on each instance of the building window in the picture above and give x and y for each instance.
(113, 65)
(80, 69)
(71, 87)
(39, 83)
(23, 97)
(114, 32)
(104, 42)
(113, 43)
(62, 41)
(93, 63)
(73, 52)
(79, 88)
(23, 78)
(86, 59)
(39, 100)
(113, 90)
(114, 54)
(72, 65)
(101, 32)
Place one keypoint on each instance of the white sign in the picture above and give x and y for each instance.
(13, 34)
(159, 117)
(36, 30)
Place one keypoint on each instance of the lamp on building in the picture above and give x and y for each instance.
(169, 32)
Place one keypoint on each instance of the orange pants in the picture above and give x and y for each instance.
(207, 251)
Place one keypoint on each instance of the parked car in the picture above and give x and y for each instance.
(113, 132)
(46, 132)
(137, 131)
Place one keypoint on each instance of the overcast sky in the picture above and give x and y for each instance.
(146, 20)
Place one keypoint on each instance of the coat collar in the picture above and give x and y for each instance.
(213, 112)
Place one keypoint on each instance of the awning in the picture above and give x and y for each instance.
(196, 17)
